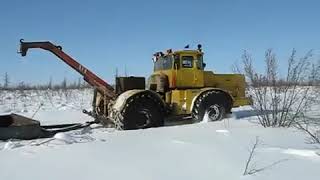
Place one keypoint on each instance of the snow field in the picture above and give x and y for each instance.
(210, 150)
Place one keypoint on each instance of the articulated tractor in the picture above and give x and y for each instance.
(178, 87)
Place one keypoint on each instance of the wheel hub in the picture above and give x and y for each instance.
(214, 112)
(144, 118)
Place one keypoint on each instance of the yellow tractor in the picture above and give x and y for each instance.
(178, 87)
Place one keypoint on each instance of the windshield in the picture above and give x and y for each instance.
(187, 61)
(163, 63)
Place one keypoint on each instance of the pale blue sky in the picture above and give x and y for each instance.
(105, 35)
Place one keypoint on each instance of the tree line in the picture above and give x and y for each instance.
(7, 84)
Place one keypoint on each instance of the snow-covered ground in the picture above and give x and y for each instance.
(213, 150)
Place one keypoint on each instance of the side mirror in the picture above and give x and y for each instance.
(204, 65)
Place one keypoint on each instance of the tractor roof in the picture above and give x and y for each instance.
(185, 51)
(188, 51)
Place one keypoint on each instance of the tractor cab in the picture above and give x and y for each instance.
(177, 59)
(181, 69)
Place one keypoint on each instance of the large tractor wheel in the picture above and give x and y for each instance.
(213, 103)
(142, 111)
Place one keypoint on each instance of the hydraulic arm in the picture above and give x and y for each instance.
(102, 86)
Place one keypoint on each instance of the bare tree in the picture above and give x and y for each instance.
(50, 83)
(314, 79)
(280, 100)
(236, 68)
(64, 83)
(79, 83)
(6, 81)
(21, 87)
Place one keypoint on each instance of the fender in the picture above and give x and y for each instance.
(125, 97)
(204, 90)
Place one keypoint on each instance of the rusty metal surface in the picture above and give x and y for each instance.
(88, 75)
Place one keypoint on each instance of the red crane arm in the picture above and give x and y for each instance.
(88, 76)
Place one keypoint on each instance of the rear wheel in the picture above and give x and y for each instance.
(212, 105)
(142, 111)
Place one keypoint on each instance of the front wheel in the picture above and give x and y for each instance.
(211, 105)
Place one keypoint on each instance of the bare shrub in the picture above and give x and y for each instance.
(311, 126)
(48, 94)
(250, 167)
(280, 100)
(37, 110)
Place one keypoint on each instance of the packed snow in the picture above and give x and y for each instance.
(208, 150)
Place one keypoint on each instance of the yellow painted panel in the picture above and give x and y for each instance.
(181, 100)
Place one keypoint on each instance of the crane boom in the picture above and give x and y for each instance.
(88, 76)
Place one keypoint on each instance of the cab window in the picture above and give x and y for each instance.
(200, 62)
(163, 63)
(187, 61)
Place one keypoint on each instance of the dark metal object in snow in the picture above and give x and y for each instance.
(14, 126)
